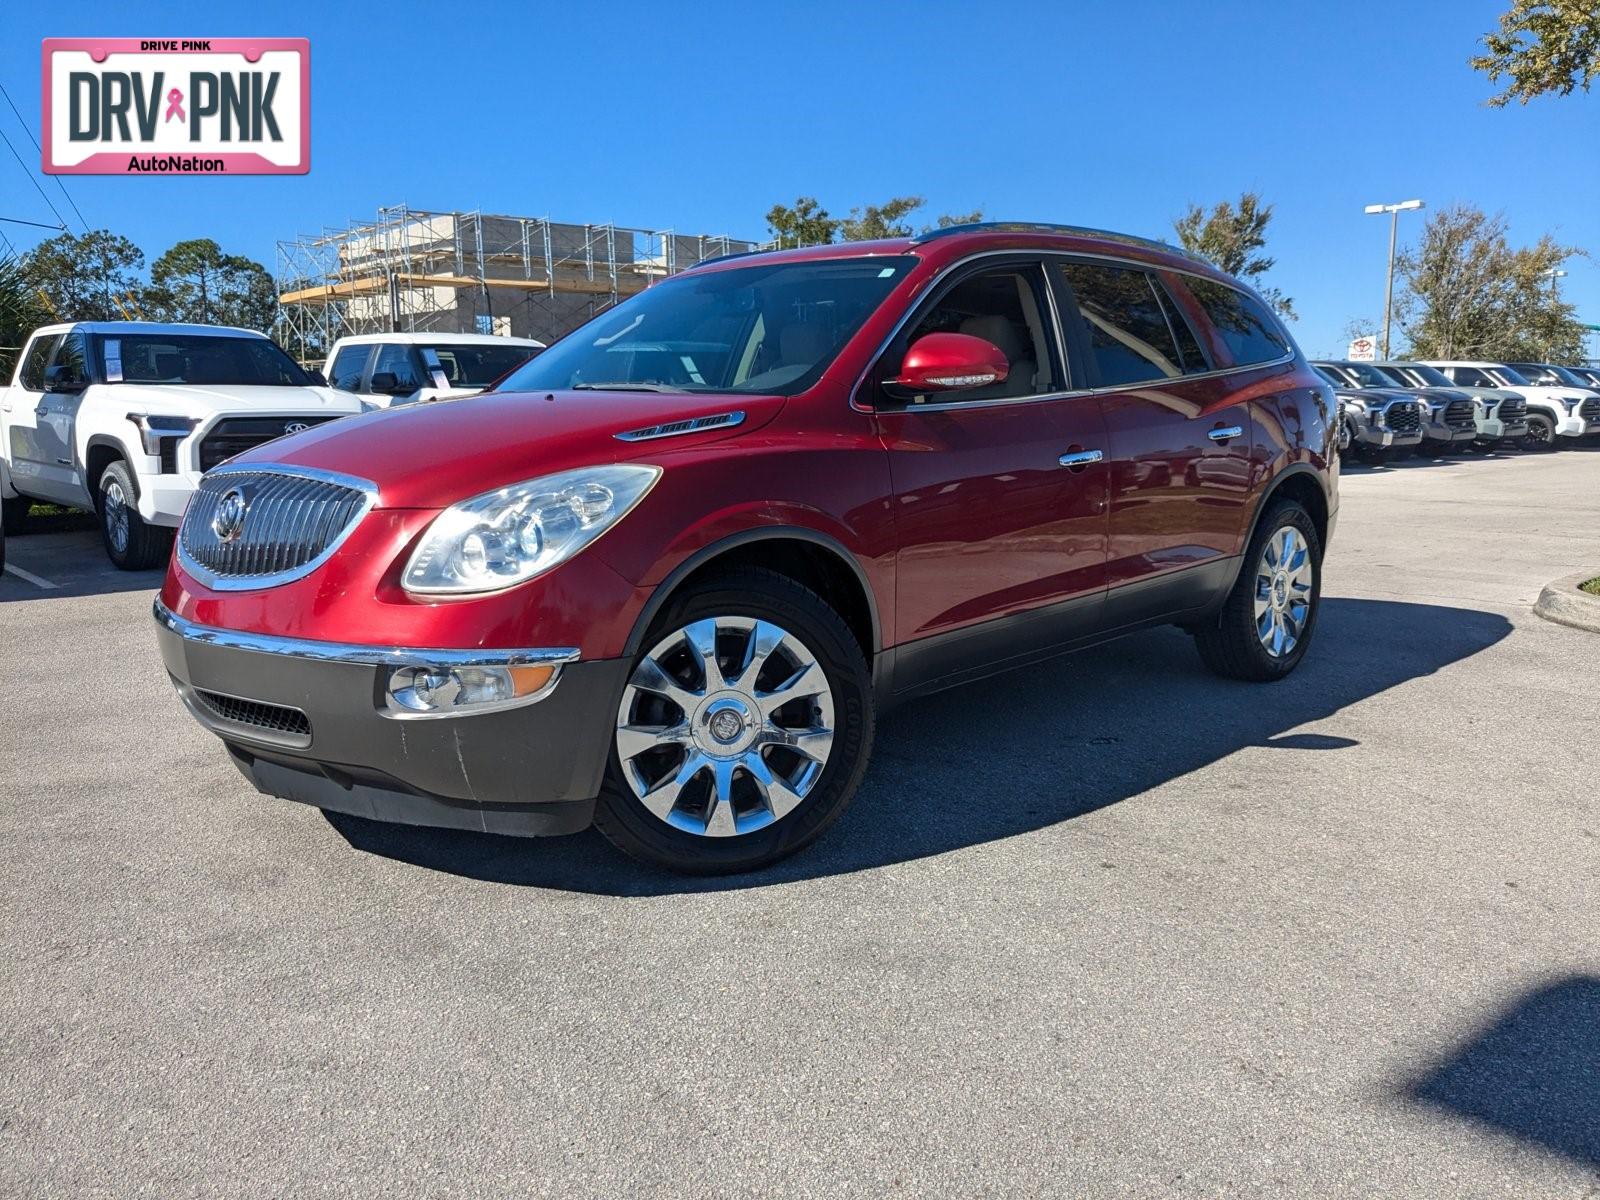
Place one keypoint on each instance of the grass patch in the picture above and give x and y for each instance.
(53, 518)
(1592, 587)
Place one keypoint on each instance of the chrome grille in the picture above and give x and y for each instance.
(1403, 416)
(1458, 415)
(292, 520)
(1589, 410)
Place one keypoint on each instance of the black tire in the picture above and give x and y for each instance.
(622, 817)
(1541, 435)
(1230, 645)
(131, 543)
(14, 515)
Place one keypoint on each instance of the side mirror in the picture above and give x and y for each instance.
(57, 379)
(387, 383)
(950, 362)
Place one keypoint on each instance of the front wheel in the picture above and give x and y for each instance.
(14, 514)
(743, 731)
(1266, 623)
(1541, 435)
(131, 543)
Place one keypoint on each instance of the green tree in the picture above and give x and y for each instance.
(21, 311)
(1232, 237)
(196, 281)
(805, 223)
(949, 219)
(87, 277)
(1542, 46)
(873, 221)
(1464, 292)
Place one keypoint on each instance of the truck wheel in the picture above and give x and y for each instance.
(131, 543)
(1265, 625)
(743, 731)
(14, 515)
(1541, 433)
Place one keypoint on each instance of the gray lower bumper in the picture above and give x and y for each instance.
(530, 770)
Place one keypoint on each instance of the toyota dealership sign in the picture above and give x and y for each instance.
(171, 106)
(1363, 349)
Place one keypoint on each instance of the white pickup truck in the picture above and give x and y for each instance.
(386, 369)
(121, 418)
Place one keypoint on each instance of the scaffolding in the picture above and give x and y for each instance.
(419, 271)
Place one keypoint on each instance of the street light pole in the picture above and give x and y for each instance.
(1552, 275)
(1394, 211)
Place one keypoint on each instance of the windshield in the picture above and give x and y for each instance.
(1330, 376)
(1549, 375)
(1506, 377)
(763, 330)
(1368, 375)
(1421, 375)
(197, 358)
(479, 366)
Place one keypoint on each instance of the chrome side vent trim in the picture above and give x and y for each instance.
(679, 428)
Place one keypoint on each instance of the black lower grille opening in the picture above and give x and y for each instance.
(274, 718)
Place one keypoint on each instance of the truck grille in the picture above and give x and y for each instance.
(1403, 416)
(291, 723)
(1512, 411)
(234, 435)
(1458, 415)
(1589, 410)
(248, 528)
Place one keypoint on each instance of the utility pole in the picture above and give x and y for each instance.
(1552, 275)
(1394, 211)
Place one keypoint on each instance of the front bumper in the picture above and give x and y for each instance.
(528, 770)
(1372, 435)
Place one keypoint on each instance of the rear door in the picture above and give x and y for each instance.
(1002, 545)
(1179, 438)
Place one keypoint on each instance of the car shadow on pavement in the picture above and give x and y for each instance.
(61, 560)
(1019, 752)
(1534, 1073)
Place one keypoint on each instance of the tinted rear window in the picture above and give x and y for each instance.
(1129, 335)
(1244, 326)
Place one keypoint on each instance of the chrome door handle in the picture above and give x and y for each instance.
(1223, 435)
(1080, 458)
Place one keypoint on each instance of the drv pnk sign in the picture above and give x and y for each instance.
(171, 106)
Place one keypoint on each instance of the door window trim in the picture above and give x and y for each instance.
(1043, 255)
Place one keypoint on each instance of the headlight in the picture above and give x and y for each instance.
(152, 428)
(507, 536)
(1572, 403)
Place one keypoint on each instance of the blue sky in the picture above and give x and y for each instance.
(700, 117)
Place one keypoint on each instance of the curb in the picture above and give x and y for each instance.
(1563, 602)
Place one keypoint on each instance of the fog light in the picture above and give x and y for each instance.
(446, 691)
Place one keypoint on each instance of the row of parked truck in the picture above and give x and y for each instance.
(1387, 409)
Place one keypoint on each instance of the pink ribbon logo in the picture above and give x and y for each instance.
(175, 106)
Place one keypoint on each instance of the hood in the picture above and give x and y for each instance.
(1377, 395)
(204, 400)
(1552, 393)
(1443, 394)
(435, 454)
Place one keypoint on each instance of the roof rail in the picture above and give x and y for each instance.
(731, 254)
(1047, 227)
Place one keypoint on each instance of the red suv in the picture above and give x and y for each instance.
(663, 577)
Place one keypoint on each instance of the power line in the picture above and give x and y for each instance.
(45, 196)
(35, 224)
(28, 129)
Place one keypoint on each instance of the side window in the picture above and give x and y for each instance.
(1131, 338)
(401, 363)
(344, 372)
(32, 374)
(72, 359)
(1469, 377)
(1243, 325)
(1004, 306)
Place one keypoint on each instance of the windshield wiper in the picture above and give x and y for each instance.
(625, 387)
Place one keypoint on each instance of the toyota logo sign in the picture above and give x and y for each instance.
(228, 521)
(296, 427)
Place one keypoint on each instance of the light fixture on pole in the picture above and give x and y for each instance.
(1394, 211)
(1552, 275)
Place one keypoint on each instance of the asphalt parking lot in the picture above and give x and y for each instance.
(1107, 927)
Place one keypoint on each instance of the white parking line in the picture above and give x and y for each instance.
(31, 577)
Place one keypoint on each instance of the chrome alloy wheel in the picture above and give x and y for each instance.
(725, 726)
(1283, 591)
(114, 512)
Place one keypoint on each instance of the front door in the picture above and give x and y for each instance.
(61, 476)
(33, 443)
(1002, 545)
(1178, 442)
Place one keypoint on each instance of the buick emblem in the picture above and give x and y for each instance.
(295, 427)
(228, 522)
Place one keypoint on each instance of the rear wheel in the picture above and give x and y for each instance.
(131, 543)
(1266, 624)
(1541, 435)
(744, 728)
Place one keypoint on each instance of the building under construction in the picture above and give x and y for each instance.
(464, 272)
